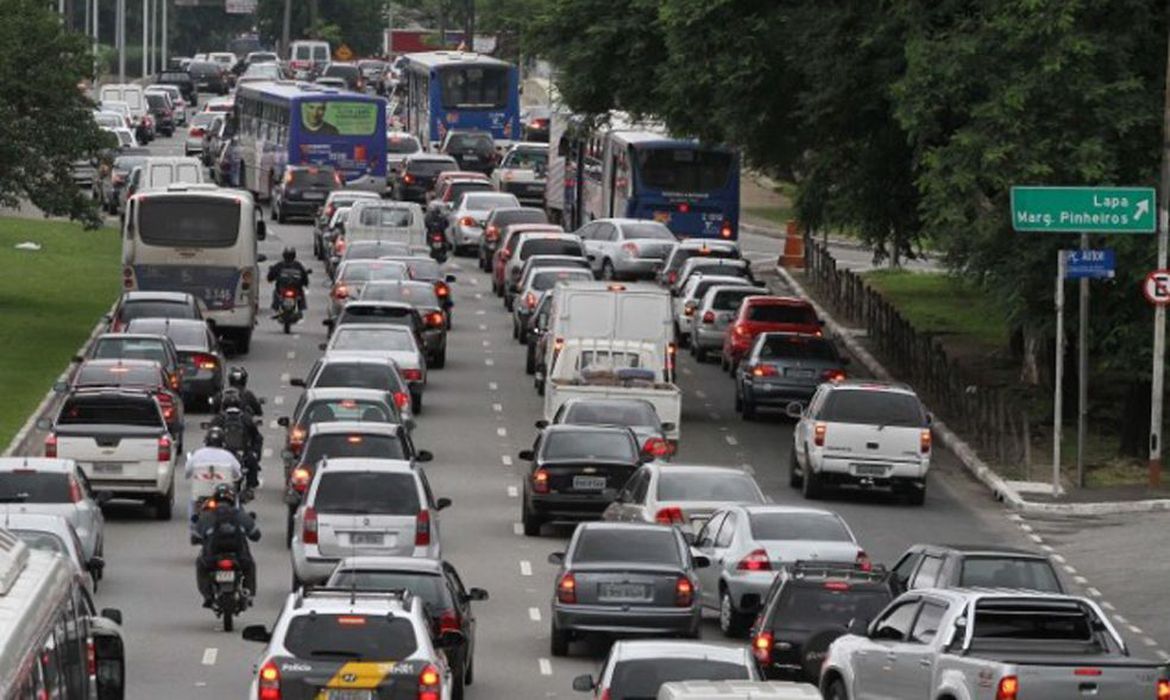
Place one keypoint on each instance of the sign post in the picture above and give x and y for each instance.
(1083, 265)
(1058, 397)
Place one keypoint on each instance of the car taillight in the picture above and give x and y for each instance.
(567, 589)
(689, 309)
(435, 320)
(268, 686)
(756, 560)
(91, 659)
(725, 230)
(924, 441)
(630, 249)
(762, 647)
(763, 371)
(1009, 688)
(50, 445)
(684, 592)
(164, 449)
(819, 434)
(339, 246)
(296, 437)
(167, 404)
(467, 221)
(127, 279)
(832, 375)
(299, 480)
(195, 131)
(709, 317)
(1163, 689)
(408, 179)
(863, 561)
(449, 621)
(422, 529)
(671, 352)
(492, 232)
(203, 361)
(429, 687)
(605, 695)
(412, 375)
(657, 447)
(671, 277)
(75, 493)
(340, 292)
(669, 516)
(401, 399)
(684, 208)
(540, 481)
(530, 301)
(309, 526)
(173, 380)
(739, 329)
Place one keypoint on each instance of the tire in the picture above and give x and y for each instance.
(794, 477)
(811, 486)
(244, 342)
(280, 216)
(497, 288)
(416, 403)
(515, 329)
(699, 353)
(509, 301)
(287, 327)
(732, 622)
(531, 523)
(558, 641)
(749, 409)
(164, 506)
(469, 676)
(289, 523)
(522, 336)
(836, 691)
(607, 272)
(227, 619)
(457, 683)
(917, 496)
(440, 360)
(738, 399)
(530, 361)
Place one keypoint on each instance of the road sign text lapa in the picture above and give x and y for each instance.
(1083, 209)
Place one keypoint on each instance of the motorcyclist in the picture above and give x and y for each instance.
(288, 263)
(241, 435)
(222, 531)
(238, 380)
(207, 468)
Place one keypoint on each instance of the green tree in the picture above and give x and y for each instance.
(45, 122)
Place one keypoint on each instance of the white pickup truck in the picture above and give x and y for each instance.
(383, 220)
(119, 438)
(982, 644)
(608, 369)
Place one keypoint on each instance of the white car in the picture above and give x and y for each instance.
(865, 433)
(397, 343)
(52, 533)
(686, 304)
(627, 248)
(467, 217)
(523, 172)
(680, 495)
(54, 487)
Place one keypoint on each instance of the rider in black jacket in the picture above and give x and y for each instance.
(225, 531)
(288, 262)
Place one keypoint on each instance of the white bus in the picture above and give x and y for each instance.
(202, 240)
(52, 644)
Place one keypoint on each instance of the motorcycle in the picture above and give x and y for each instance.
(227, 586)
(289, 311)
(438, 245)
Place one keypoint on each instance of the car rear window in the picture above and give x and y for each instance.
(416, 294)
(155, 309)
(133, 349)
(648, 231)
(352, 445)
(549, 246)
(365, 637)
(427, 586)
(357, 376)
(817, 527)
(1007, 619)
(730, 300)
(367, 493)
(525, 215)
(314, 177)
(390, 339)
(431, 167)
(782, 313)
(1007, 572)
(588, 445)
(690, 486)
(156, 101)
(387, 216)
(333, 410)
(544, 281)
(377, 314)
(423, 269)
(115, 375)
(634, 545)
(641, 678)
(30, 486)
(399, 145)
(184, 335)
(797, 348)
(340, 71)
(873, 407)
(372, 270)
(458, 189)
(818, 605)
(486, 200)
(96, 410)
(189, 222)
(631, 414)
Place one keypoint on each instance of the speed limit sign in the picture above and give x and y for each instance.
(1156, 287)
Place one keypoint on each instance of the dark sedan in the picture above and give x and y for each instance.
(199, 351)
(575, 473)
(625, 579)
(303, 190)
(782, 368)
(417, 176)
(423, 298)
(208, 76)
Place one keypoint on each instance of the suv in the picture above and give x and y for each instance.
(973, 566)
(380, 639)
(766, 313)
(417, 175)
(808, 606)
(494, 228)
(359, 507)
(302, 191)
(861, 432)
(474, 150)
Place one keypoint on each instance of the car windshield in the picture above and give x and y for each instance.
(655, 232)
(41, 540)
(526, 159)
(352, 445)
(331, 410)
(372, 270)
(797, 348)
(31, 486)
(1009, 572)
(98, 410)
(357, 376)
(589, 445)
(549, 246)
(486, 201)
(707, 486)
(628, 414)
(782, 313)
(418, 294)
(399, 144)
(367, 493)
(544, 281)
(386, 216)
(117, 374)
(357, 637)
(130, 349)
(390, 339)
(425, 585)
(818, 527)
(431, 167)
(885, 408)
(816, 605)
(638, 679)
(633, 545)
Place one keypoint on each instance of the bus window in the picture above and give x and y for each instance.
(474, 86)
(684, 169)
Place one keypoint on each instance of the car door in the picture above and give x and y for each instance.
(705, 545)
(876, 662)
(588, 234)
(463, 603)
(913, 658)
(927, 574)
(606, 246)
(89, 515)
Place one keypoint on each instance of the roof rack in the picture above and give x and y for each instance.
(836, 569)
(401, 594)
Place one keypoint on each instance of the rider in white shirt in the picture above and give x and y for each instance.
(208, 467)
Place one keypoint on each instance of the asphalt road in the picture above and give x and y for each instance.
(479, 412)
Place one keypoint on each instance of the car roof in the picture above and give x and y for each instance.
(309, 601)
(40, 464)
(775, 508)
(354, 360)
(365, 464)
(635, 649)
(673, 468)
(120, 362)
(611, 401)
(156, 322)
(419, 564)
(871, 385)
(984, 550)
(349, 426)
(377, 302)
(775, 300)
(585, 428)
(383, 327)
(725, 280)
(138, 295)
(342, 393)
(611, 525)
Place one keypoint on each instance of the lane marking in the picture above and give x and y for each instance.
(278, 400)
(1025, 527)
(687, 371)
(1121, 619)
(1059, 559)
(478, 295)
(1048, 548)
(700, 393)
(1035, 538)
(492, 386)
(1070, 569)
(1164, 655)
(1081, 580)
(482, 327)
(273, 424)
(1148, 641)
(534, 614)
(480, 312)
(291, 354)
(1108, 606)
(209, 656)
(502, 432)
(525, 567)
(487, 343)
(1135, 629)
(731, 440)
(497, 407)
(545, 667)
(267, 452)
(714, 415)
(285, 378)
(513, 492)
(1093, 592)
(506, 460)
(489, 361)
(518, 528)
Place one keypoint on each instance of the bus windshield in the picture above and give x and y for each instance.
(684, 169)
(484, 87)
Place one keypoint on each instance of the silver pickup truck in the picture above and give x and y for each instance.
(982, 644)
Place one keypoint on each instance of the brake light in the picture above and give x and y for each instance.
(756, 560)
(863, 561)
(91, 659)
(725, 230)
(739, 329)
(833, 375)
(762, 647)
(630, 249)
(269, 683)
(669, 516)
(173, 380)
(671, 277)
(671, 351)
(127, 280)
(428, 684)
(449, 622)
(442, 290)
(164, 449)
(467, 221)
(1009, 688)
(684, 592)
(709, 317)
(819, 434)
(195, 131)
(836, 585)
(299, 480)
(296, 437)
(167, 404)
(492, 232)
(924, 441)
(567, 589)
(75, 494)
(412, 375)
(657, 447)
(309, 526)
(540, 481)
(225, 565)
(408, 179)
(435, 319)
(1163, 689)
(206, 361)
(50, 445)
(340, 292)
(289, 293)
(530, 300)
(401, 399)
(422, 529)
(763, 371)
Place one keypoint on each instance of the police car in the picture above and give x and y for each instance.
(343, 644)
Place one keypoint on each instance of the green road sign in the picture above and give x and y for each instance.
(1083, 209)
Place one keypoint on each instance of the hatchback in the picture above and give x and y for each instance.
(303, 190)
(760, 314)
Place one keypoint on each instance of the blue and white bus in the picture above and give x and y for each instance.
(287, 123)
(641, 172)
(447, 90)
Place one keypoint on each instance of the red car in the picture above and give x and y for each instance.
(762, 314)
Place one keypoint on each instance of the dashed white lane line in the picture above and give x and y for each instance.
(731, 440)
(1081, 580)
(285, 378)
(506, 460)
(518, 528)
(273, 424)
(687, 371)
(267, 452)
(480, 312)
(1048, 548)
(700, 393)
(291, 354)
(1135, 629)
(1035, 538)
(534, 614)
(489, 362)
(482, 327)
(714, 415)
(492, 386)
(1149, 641)
(525, 567)
(209, 656)
(545, 667)
(513, 492)
(1058, 558)
(1025, 527)
(1164, 655)
(478, 295)
(1121, 619)
(487, 343)
(1070, 570)
(277, 400)
(502, 432)
(1093, 592)
(1108, 606)
(497, 407)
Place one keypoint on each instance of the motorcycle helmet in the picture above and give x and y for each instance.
(289, 254)
(214, 437)
(238, 377)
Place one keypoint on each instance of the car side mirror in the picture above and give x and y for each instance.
(322, 346)
(541, 424)
(95, 564)
(527, 455)
(261, 258)
(477, 594)
(257, 633)
(794, 410)
(451, 639)
(442, 503)
(103, 497)
(701, 561)
(114, 615)
(282, 421)
(296, 381)
(449, 278)
(261, 230)
(60, 387)
(557, 558)
(583, 683)
(44, 424)
(668, 427)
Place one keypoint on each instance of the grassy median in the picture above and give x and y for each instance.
(943, 305)
(50, 300)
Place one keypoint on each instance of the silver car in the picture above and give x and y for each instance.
(637, 668)
(523, 172)
(685, 496)
(52, 533)
(749, 544)
(395, 343)
(627, 248)
(200, 123)
(536, 243)
(533, 287)
(466, 220)
(399, 146)
(686, 304)
(713, 315)
(54, 487)
(364, 507)
(352, 275)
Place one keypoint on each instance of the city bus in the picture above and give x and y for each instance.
(447, 90)
(287, 123)
(639, 171)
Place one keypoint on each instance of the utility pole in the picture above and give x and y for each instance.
(285, 29)
(145, 38)
(163, 63)
(1159, 369)
(120, 37)
(469, 25)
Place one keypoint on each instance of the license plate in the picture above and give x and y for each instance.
(107, 467)
(471, 158)
(348, 695)
(624, 591)
(314, 195)
(870, 469)
(225, 576)
(589, 483)
(804, 373)
(367, 538)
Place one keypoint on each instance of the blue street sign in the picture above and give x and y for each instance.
(1092, 264)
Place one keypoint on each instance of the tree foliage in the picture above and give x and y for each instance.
(45, 122)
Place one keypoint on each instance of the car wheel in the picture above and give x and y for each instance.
(607, 272)
(732, 622)
(723, 362)
(509, 302)
(738, 399)
(416, 403)
(811, 484)
(749, 409)
(522, 336)
(794, 476)
(280, 215)
(836, 691)
(164, 506)
(530, 360)
(558, 641)
(916, 494)
(469, 676)
(699, 353)
(457, 683)
(440, 359)
(515, 329)
(531, 522)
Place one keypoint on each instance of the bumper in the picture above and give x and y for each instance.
(301, 207)
(708, 338)
(569, 506)
(366, 183)
(777, 393)
(202, 386)
(135, 484)
(626, 620)
(837, 470)
(526, 192)
(637, 267)
(241, 317)
(413, 193)
(193, 145)
(461, 236)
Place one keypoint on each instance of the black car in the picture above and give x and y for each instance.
(349, 72)
(473, 150)
(535, 124)
(575, 472)
(199, 351)
(418, 174)
(781, 368)
(303, 190)
(208, 76)
(183, 81)
(808, 606)
(163, 113)
(496, 222)
(973, 566)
